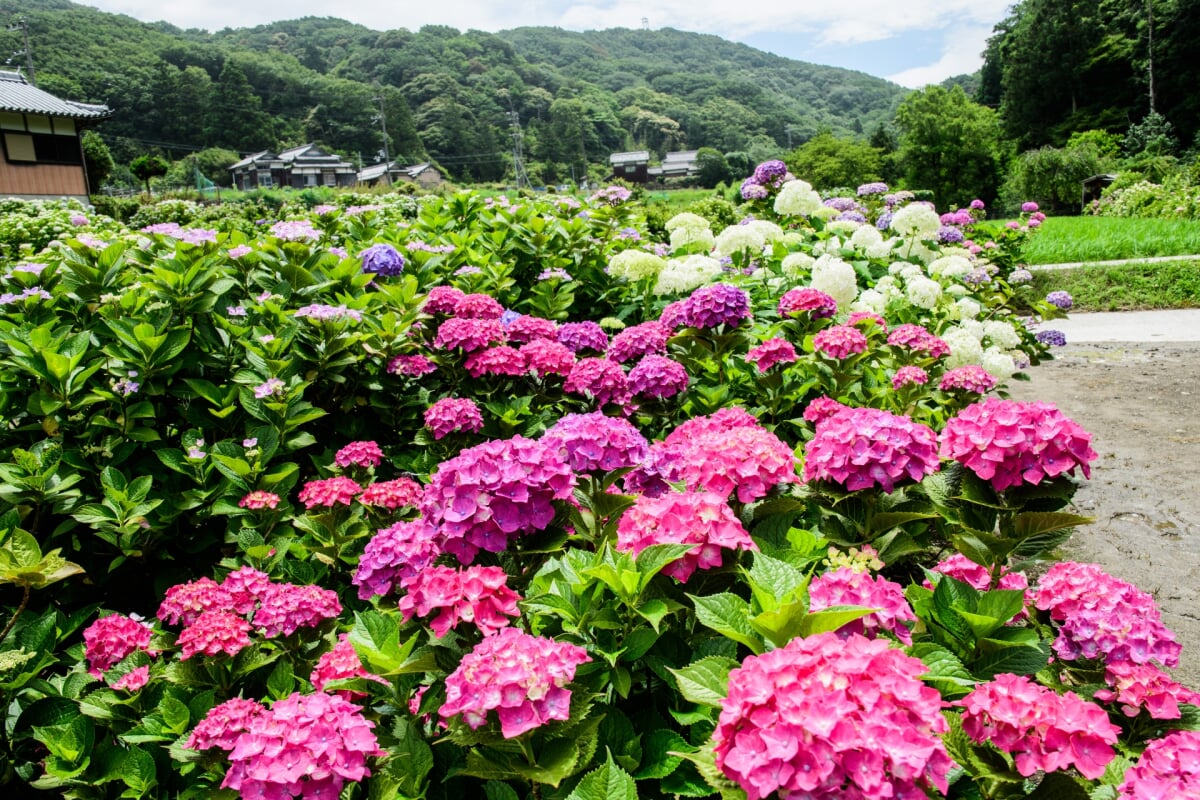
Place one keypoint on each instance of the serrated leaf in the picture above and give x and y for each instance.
(728, 615)
(660, 751)
(1058, 786)
(1033, 523)
(606, 782)
(774, 581)
(705, 682)
(946, 671)
(652, 559)
(1018, 659)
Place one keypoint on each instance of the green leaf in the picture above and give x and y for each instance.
(884, 522)
(174, 714)
(705, 682)
(1003, 604)
(376, 639)
(774, 581)
(606, 782)
(1019, 660)
(659, 754)
(1033, 523)
(495, 790)
(1058, 786)
(831, 619)
(728, 615)
(139, 771)
(282, 680)
(946, 672)
(651, 560)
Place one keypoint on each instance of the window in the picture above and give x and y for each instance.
(36, 138)
(264, 178)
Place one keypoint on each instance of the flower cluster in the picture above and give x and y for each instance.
(716, 305)
(850, 587)
(476, 594)
(859, 448)
(493, 491)
(919, 340)
(382, 259)
(295, 231)
(412, 366)
(502, 360)
(548, 357)
(323, 313)
(639, 340)
(909, 376)
(442, 299)
(840, 341)
(394, 556)
(1060, 299)
(657, 377)
(1103, 617)
(773, 351)
(110, 639)
(826, 718)
(1145, 686)
(452, 415)
(712, 455)
(700, 518)
(468, 334)
(339, 663)
(286, 608)
(1169, 769)
(526, 328)
(521, 677)
(580, 336)
(398, 493)
(478, 306)
(329, 492)
(599, 379)
(979, 577)
(1041, 728)
(596, 443)
(970, 378)
(806, 300)
(1010, 443)
(359, 454)
(214, 632)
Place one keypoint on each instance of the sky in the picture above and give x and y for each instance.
(910, 42)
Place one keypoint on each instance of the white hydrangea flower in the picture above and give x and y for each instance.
(922, 292)
(685, 274)
(950, 267)
(793, 239)
(634, 265)
(769, 230)
(866, 237)
(967, 308)
(974, 326)
(843, 227)
(701, 238)
(898, 267)
(828, 247)
(1001, 334)
(887, 287)
(795, 263)
(870, 300)
(999, 364)
(916, 220)
(836, 278)
(737, 238)
(685, 220)
(882, 250)
(964, 347)
(825, 212)
(797, 198)
(957, 290)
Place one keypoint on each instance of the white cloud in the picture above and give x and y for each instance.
(961, 53)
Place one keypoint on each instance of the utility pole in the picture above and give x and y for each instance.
(22, 26)
(1150, 48)
(387, 159)
(518, 150)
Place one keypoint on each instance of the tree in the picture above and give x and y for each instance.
(97, 160)
(236, 119)
(1052, 176)
(950, 146)
(711, 168)
(145, 167)
(828, 162)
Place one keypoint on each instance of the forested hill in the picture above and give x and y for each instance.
(447, 94)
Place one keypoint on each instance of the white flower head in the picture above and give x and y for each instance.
(769, 230)
(967, 308)
(964, 347)
(866, 237)
(738, 238)
(922, 292)
(685, 274)
(634, 265)
(950, 267)
(796, 263)
(797, 198)
(916, 220)
(999, 364)
(836, 278)
(870, 300)
(1001, 334)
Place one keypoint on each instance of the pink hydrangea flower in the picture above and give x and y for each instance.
(478, 306)
(771, 352)
(700, 518)
(600, 380)
(873, 321)
(453, 415)
(214, 632)
(859, 448)
(1144, 686)
(1103, 617)
(442, 299)
(716, 305)
(394, 556)
(338, 663)
(909, 376)
(134, 680)
(496, 490)
(521, 677)
(826, 718)
(467, 334)
(476, 594)
(109, 640)
(398, 493)
(581, 336)
(846, 586)
(821, 408)
(245, 586)
(359, 454)
(286, 607)
(526, 329)
(223, 724)
(499, 360)
(918, 340)
(746, 459)
(658, 377)
(1169, 769)
(546, 357)
(329, 492)
(303, 746)
(806, 300)
(648, 338)
(258, 500)
(412, 366)
(596, 443)
(970, 378)
(184, 602)
(1041, 728)
(672, 316)
(1009, 443)
(840, 341)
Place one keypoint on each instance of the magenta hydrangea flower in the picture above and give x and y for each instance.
(285, 608)
(546, 357)
(599, 380)
(359, 454)
(478, 306)
(398, 493)
(1169, 769)
(716, 305)
(581, 336)
(526, 328)
(658, 377)
(395, 555)
(672, 315)
(970, 378)
(821, 408)
(329, 492)
(478, 595)
(1138, 687)
(840, 341)
(258, 500)
(134, 680)
(339, 663)
(184, 602)
(639, 340)
(245, 587)
(807, 300)
(442, 299)
(918, 340)
(700, 518)
(303, 746)
(496, 490)
(1043, 730)
(412, 366)
(596, 443)
(827, 718)
(109, 640)
(724, 458)
(501, 360)
(453, 415)
(468, 334)
(1103, 617)
(521, 677)
(909, 376)
(771, 352)
(214, 632)
(223, 724)
(859, 448)
(1009, 443)
(846, 586)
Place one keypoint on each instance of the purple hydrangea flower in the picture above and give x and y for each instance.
(382, 259)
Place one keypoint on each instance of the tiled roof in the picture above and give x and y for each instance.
(16, 94)
(633, 156)
(250, 159)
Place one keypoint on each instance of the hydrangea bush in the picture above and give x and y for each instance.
(374, 502)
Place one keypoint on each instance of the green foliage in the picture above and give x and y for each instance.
(1052, 177)
(1132, 287)
(827, 161)
(97, 160)
(145, 167)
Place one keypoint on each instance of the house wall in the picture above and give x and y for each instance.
(42, 180)
(429, 178)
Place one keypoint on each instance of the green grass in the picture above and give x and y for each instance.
(1133, 287)
(1064, 240)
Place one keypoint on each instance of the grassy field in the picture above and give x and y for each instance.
(1064, 240)
(1132, 287)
